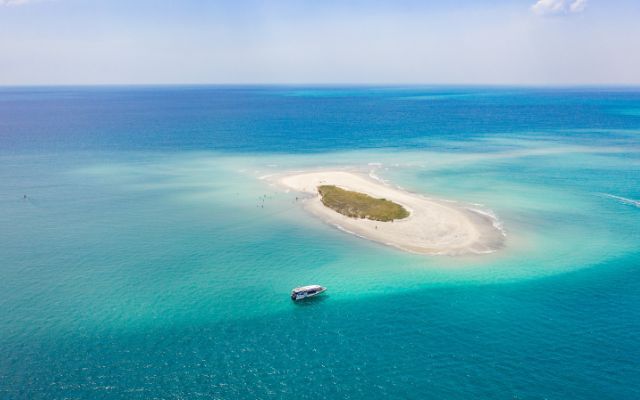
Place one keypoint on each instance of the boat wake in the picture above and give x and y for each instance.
(623, 200)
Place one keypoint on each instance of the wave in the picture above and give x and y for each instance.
(372, 175)
(495, 221)
(623, 200)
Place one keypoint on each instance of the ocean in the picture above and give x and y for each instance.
(144, 253)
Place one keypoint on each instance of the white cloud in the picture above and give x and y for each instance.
(578, 6)
(14, 2)
(548, 7)
(558, 7)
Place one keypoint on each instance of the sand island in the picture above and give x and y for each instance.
(379, 212)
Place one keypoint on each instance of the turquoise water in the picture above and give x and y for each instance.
(142, 264)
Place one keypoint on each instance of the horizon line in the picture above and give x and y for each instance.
(328, 84)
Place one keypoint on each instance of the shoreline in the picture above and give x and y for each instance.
(433, 227)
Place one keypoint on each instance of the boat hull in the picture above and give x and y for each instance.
(305, 295)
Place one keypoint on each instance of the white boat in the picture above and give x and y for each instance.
(303, 292)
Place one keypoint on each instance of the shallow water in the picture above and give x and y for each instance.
(143, 262)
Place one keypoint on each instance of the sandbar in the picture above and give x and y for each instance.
(434, 227)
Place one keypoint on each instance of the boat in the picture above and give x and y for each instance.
(303, 292)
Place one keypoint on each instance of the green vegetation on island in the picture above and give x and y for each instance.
(360, 205)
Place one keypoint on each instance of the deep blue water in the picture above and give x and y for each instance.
(281, 119)
(139, 265)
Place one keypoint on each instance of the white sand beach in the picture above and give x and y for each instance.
(433, 226)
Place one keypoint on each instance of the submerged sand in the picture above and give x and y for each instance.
(433, 226)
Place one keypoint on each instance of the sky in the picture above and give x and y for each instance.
(503, 42)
